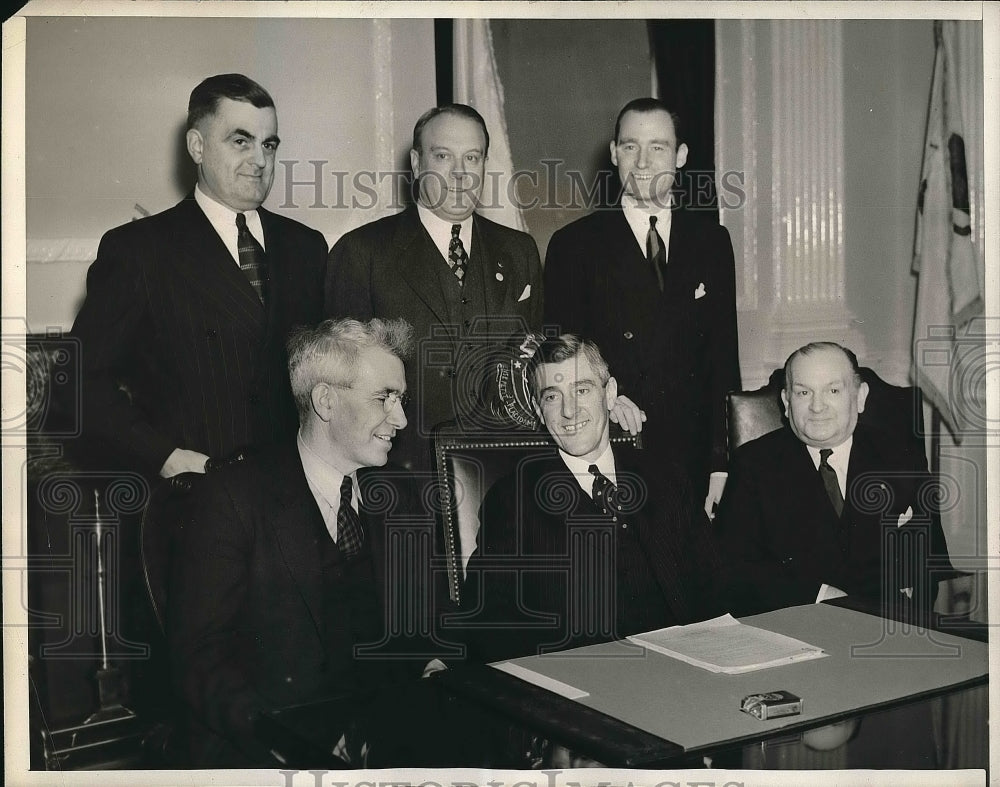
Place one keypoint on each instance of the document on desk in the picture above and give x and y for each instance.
(725, 645)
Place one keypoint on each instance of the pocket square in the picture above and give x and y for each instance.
(905, 517)
(526, 294)
(700, 292)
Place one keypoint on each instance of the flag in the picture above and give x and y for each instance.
(477, 83)
(945, 262)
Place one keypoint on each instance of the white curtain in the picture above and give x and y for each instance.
(477, 83)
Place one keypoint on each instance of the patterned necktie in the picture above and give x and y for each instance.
(604, 492)
(457, 258)
(656, 255)
(829, 476)
(350, 537)
(253, 262)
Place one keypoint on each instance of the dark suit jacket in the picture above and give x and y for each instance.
(170, 316)
(520, 575)
(674, 353)
(390, 268)
(782, 539)
(246, 620)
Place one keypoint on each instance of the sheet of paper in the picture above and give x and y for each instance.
(545, 682)
(724, 644)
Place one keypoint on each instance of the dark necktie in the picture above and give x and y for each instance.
(350, 537)
(656, 254)
(829, 476)
(604, 492)
(253, 263)
(457, 258)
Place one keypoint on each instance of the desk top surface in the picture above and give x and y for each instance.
(871, 662)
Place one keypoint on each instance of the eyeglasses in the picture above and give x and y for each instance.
(387, 399)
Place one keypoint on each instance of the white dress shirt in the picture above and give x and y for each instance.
(440, 231)
(579, 468)
(324, 482)
(223, 219)
(638, 219)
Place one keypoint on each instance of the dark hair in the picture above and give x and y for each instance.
(649, 105)
(564, 348)
(329, 351)
(206, 96)
(459, 110)
(812, 347)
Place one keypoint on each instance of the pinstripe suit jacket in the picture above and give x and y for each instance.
(170, 317)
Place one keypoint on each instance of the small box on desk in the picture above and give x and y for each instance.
(772, 705)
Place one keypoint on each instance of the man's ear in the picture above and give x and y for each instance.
(195, 144)
(682, 156)
(614, 153)
(611, 393)
(862, 396)
(415, 162)
(322, 402)
(784, 401)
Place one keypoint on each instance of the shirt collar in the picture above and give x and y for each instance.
(223, 220)
(579, 468)
(440, 230)
(839, 460)
(324, 479)
(638, 219)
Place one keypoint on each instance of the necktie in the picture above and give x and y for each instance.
(656, 254)
(829, 476)
(350, 537)
(604, 492)
(253, 263)
(457, 258)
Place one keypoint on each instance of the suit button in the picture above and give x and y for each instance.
(628, 334)
(211, 333)
(466, 323)
(465, 300)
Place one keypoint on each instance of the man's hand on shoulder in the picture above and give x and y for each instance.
(627, 414)
(182, 460)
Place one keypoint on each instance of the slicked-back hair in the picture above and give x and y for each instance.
(564, 348)
(649, 105)
(329, 352)
(459, 110)
(206, 96)
(813, 347)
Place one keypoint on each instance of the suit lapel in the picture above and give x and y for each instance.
(295, 515)
(204, 260)
(419, 263)
(373, 524)
(628, 267)
(489, 258)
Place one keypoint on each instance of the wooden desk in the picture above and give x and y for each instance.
(668, 712)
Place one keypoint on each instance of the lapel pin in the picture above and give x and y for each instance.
(499, 277)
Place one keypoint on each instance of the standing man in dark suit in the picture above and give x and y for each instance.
(824, 507)
(458, 278)
(184, 325)
(590, 542)
(284, 569)
(654, 286)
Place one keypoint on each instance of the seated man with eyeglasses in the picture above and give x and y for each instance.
(282, 572)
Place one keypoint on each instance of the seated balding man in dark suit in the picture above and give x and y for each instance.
(825, 507)
(600, 540)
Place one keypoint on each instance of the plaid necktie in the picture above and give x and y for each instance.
(829, 476)
(350, 537)
(604, 492)
(253, 262)
(457, 258)
(656, 255)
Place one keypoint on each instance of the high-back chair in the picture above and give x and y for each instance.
(467, 466)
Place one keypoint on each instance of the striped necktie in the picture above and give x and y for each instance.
(253, 261)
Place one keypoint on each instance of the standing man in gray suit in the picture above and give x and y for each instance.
(455, 276)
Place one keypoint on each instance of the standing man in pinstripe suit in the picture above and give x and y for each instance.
(183, 328)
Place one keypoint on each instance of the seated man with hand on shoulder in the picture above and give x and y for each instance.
(825, 507)
(590, 542)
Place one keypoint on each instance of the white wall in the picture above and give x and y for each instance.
(105, 105)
